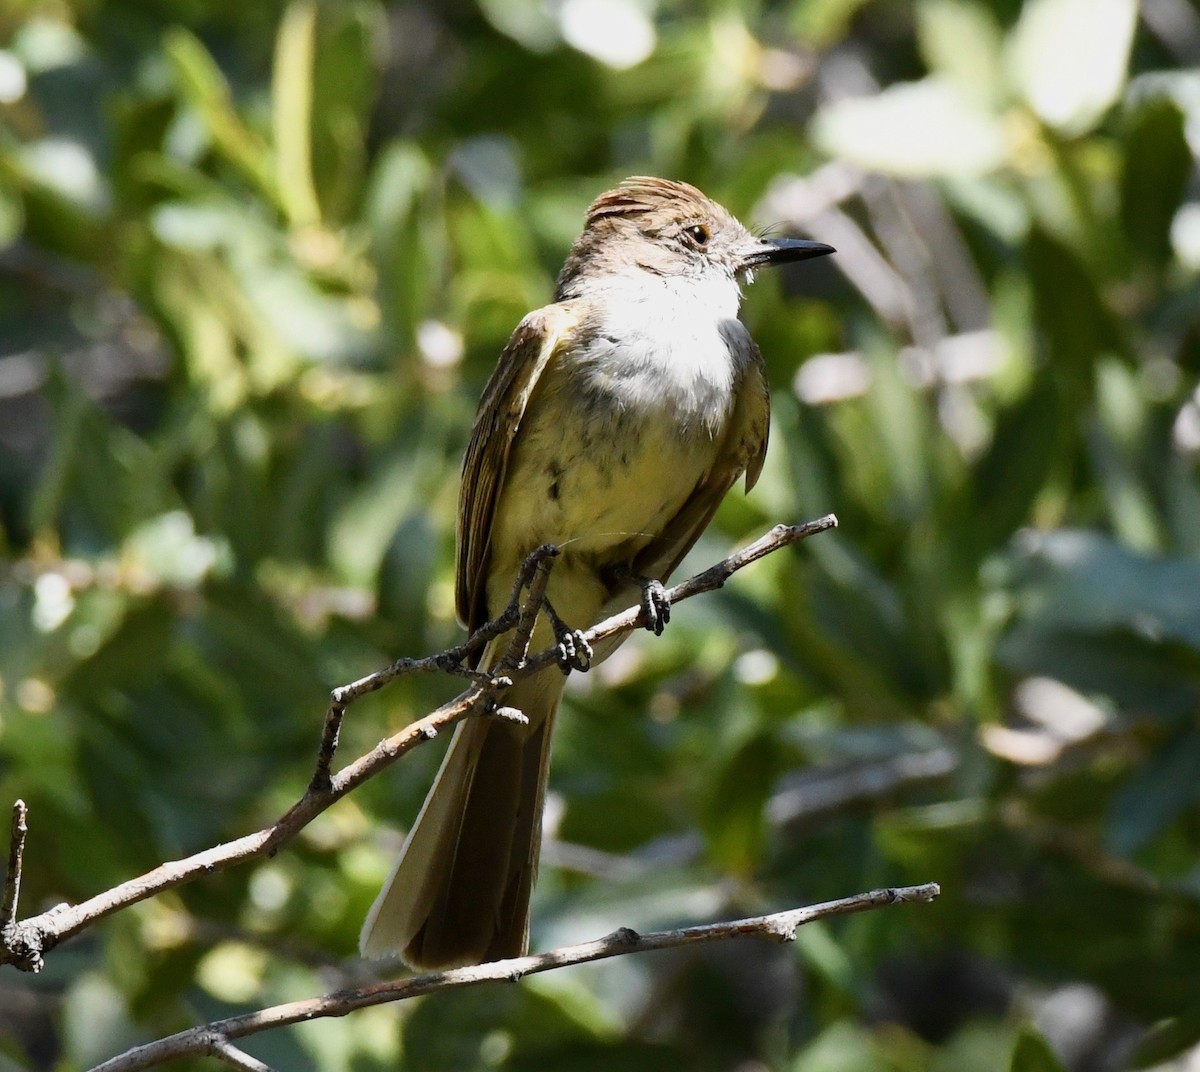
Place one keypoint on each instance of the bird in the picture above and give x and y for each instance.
(615, 422)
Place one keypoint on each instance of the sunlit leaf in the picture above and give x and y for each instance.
(1068, 58)
(917, 129)
(292, 113)
(843, 1047)
(204, 88)
(962, 43)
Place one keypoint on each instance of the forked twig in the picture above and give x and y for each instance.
(23, 943)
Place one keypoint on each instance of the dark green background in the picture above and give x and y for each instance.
(256, 262)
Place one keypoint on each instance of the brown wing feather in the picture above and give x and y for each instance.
(497, 421)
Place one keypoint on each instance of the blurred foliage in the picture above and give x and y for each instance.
(256, 261)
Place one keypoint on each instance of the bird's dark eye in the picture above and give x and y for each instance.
(697, 235)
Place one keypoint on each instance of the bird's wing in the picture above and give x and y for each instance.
(743, 451)
(536, 340)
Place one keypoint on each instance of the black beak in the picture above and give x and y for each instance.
(771, 251)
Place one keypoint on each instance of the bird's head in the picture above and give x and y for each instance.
(670, 229)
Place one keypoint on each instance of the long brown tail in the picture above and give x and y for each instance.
(460, 891)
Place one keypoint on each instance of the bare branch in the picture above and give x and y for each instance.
(16, 858)
(450, 661)
(779, 926)
(222, 1048)
(23, 943)
(519, 648)
(708, 580)
(16, 946)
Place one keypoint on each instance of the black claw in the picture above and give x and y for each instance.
(574, 652)
(656, 607)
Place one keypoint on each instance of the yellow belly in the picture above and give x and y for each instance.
(600, 487)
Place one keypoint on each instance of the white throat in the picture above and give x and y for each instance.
(673, 339)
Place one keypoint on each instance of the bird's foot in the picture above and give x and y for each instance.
(574, 651)
(656, 605)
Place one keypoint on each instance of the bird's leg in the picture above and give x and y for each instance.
(656, 605)
(574, 652)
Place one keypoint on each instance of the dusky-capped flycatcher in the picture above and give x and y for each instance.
(615, 422)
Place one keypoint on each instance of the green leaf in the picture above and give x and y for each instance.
(1158, 793)
(1027, 445)
(344, 92)
(12, 212)
(1032, 1053)
(291, 92)
(734, 817)
(1167, 1039)
(1153, 179)
(842, 1047)
(914, 129)
(1074, 319)
(1068, 58)
(1087, 582)
(521, 1024)
(962, 42)
(1102, 618)
(204, 87)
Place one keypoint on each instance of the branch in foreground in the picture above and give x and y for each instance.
(224, 1050)
(23, 943)
(780, 926)
(521, 616)
(16, 856)
(708, 580)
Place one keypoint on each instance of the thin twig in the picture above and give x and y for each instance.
(708, 580)
(16, 861)
(220, 1047)
(23, 943)
(779, 926)
(26, 941)
(518, 649)
(331, 732)
(449, 661)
